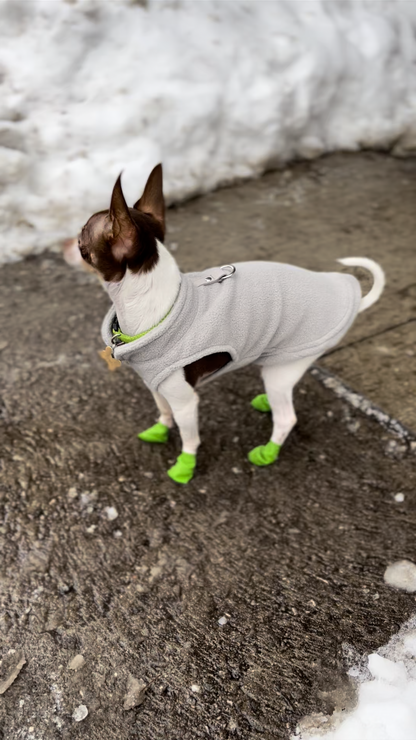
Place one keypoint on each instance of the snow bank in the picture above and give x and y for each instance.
(386, 707)
(216, 90)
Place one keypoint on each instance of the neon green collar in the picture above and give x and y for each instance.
(125, 338)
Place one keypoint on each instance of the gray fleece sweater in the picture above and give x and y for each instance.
(267, 313)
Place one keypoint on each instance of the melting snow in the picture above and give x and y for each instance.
(386, 703)
(401, 574)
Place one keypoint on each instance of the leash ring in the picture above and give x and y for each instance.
(229, 274)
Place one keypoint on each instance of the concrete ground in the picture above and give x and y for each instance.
(103, 556)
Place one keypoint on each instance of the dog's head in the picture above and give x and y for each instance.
(120, 238)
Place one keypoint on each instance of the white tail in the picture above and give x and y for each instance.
(378, 276)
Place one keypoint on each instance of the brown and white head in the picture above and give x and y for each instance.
(122, 238)
(124, 247)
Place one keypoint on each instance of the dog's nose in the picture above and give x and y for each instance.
(71, 253)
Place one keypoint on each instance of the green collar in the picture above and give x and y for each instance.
(125, 338)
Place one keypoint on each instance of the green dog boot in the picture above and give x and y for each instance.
(261, 403)
(265, 454)
(157, 433)
(183, 470)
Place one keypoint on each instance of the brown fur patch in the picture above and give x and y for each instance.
(120, 238)
(205, 366)
(95, 245)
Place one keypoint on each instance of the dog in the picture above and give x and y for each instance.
(179, 331)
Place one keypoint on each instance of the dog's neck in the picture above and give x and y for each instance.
(143, 300)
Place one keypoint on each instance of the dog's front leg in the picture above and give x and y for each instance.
(159, 432)
(183, 401)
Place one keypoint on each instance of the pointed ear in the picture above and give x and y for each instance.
(152, 200)
(122, 232)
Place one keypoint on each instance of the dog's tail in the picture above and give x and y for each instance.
(378, 277)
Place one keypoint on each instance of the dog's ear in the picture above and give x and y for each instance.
(152, 200)
(122, 232)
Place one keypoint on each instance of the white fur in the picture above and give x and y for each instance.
(183, 401)
(279, 381)
(142, 300)
(378, 276)
(166, 416)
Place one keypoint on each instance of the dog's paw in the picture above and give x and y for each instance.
(183, 470)
(157, 433)
(265, 454)
(261, 403)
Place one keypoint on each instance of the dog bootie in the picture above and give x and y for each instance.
(265, 454)
(183, 470)
(261, 403)
(157, 433)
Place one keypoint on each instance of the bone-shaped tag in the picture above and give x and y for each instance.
(111, 361)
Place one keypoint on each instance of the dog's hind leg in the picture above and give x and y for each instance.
(279, 381)
(159, 432)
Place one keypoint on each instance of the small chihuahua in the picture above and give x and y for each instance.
(180, 330)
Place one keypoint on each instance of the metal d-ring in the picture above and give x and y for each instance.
(229, 274)
(114, 342)
(209, 280)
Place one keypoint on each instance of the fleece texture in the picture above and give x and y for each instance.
(267, 313)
